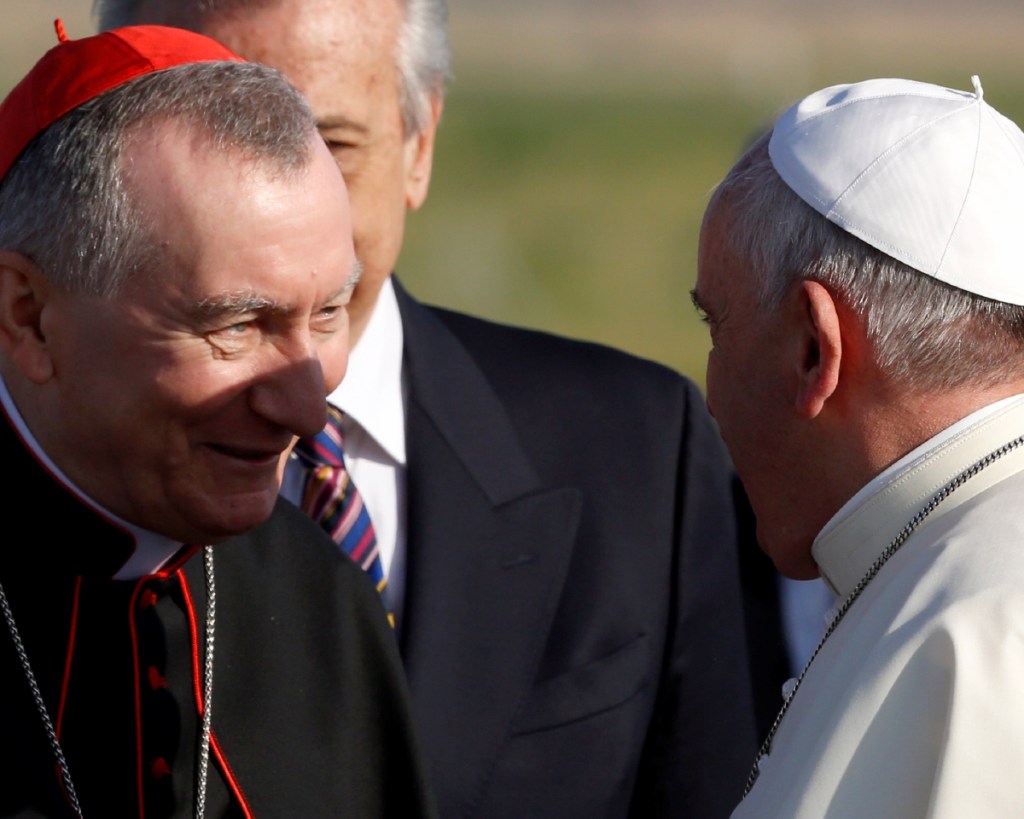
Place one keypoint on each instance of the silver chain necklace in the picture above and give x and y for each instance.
(943, 493)
(204, 741)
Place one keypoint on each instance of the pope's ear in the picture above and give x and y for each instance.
(23, 296)
(821, 349)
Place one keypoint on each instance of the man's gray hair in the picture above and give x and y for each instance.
(924, 333)
(67, 203)
(423, 56)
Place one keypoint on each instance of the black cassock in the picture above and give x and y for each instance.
(309, 709)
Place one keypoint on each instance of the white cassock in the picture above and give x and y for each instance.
(914, 706)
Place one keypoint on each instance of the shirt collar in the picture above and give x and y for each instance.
(371, 392)
(152, 551)
(864, 526)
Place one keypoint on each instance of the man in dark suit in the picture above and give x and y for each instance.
(557, 520)
(175, 261)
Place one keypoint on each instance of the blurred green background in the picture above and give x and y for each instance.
(580, 139)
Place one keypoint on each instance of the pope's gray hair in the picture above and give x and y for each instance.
(423, 55)
(923, 332)
(67, 203)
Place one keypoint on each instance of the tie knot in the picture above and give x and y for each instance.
(324, 448)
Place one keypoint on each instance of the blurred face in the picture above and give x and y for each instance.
(341, 55)
(748, 393)
(171, 403)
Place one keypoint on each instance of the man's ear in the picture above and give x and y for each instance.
(821, 349)
(23, 295)
(419, 157)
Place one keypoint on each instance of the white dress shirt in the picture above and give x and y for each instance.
(804, 607)
(372, 396)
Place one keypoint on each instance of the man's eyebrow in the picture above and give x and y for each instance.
(699, 306)
(339, 121)
(353, 277)
(233, 303)
(243, 302)
(349, 284)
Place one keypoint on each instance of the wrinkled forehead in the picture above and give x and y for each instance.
(320, 45)
(169, 160)
(198, 205)
(720, 265)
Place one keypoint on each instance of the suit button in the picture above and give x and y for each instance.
(157, 681)
(159, 768)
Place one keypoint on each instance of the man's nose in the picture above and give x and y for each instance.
(293, 395)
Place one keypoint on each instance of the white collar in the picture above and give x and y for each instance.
(371, 392)
(152, 551)
(865, 525)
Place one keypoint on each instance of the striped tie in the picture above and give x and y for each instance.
(331, 498)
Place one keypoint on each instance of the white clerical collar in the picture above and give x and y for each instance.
(152, 551)
(371, 392)
(865, 525)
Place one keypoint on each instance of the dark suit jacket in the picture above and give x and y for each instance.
(573, 628)
(310, 710)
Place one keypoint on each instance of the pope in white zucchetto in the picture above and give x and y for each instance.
(860, 272)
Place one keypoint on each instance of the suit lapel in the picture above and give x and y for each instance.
(488, 550)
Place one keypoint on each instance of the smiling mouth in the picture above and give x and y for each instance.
(252, 456)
